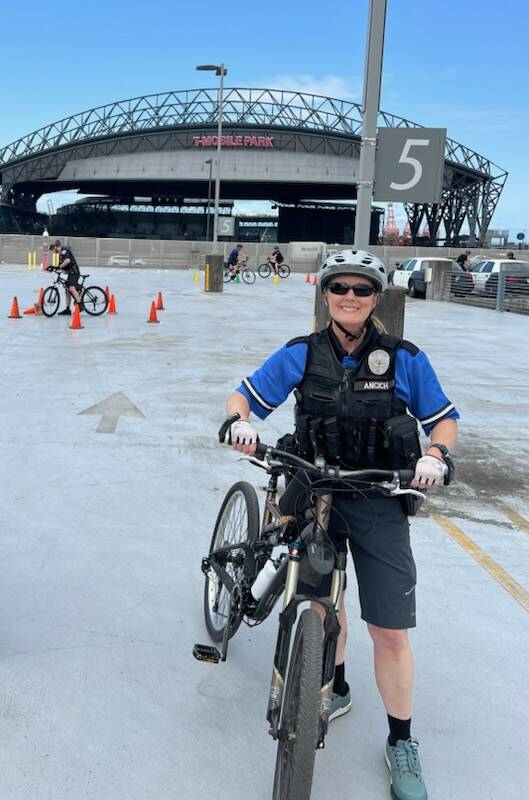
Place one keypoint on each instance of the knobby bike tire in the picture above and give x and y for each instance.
(240, 499)
(283, 270)
(248, 276)
(264, 270)
(296, 750)
(51, 301)
(94, 300)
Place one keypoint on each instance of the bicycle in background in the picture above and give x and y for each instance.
(269, 266)
(93, 299)
(232, 270)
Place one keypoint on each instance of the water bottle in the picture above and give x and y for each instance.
(264, 579)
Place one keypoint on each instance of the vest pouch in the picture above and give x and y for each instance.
(410, 504)
(289, 444)
(401, 438)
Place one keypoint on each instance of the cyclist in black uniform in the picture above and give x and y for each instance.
(69, 265)
(276, 258)
(359, 394)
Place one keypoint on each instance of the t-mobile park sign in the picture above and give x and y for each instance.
(233, 141)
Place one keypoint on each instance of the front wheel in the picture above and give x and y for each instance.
(412, 291)
(296, 750)
(50, 301)
(248, 275)
(237, 521)
(94, 300)
(264, 270)
(283, 270)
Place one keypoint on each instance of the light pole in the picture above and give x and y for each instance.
(210, 162)
(370, 106)
(221, 71)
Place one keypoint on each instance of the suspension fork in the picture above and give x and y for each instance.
(331, 625)
(286, 623)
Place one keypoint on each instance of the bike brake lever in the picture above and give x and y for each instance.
(415, 492)
(253, 460)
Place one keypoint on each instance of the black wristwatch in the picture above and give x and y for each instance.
(447, 458)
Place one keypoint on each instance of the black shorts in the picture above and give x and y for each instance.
(72, 277)
(377, 530)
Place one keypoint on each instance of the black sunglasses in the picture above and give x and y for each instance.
(359, 289)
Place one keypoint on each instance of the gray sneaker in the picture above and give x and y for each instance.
(406, 772)
(340, 704)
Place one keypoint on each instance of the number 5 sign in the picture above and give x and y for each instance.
(409, 164)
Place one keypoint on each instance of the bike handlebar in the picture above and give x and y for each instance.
(267, 453)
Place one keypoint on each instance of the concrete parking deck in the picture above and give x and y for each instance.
(103, 532)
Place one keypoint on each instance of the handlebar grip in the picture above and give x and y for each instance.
(406, 475)
(226, 425)
(260, 450)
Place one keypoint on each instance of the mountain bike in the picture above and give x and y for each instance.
(302, 675)
(266, 269)
(247, 274)
(93, 299)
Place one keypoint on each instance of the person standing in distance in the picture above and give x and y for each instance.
(356, 389)
(464, 260)
(69, 265)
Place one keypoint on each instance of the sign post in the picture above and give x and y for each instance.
(370, 106)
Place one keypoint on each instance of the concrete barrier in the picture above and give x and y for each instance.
(214, 273)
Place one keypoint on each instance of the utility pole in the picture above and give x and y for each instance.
(370, 108)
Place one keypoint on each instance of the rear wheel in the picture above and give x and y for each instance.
(296, 750)
(228, 274)
(237, 521)
(248, 275)
(264, 270)
(283, 270)
(50, 301)
(94, 300)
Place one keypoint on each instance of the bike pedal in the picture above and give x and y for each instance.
(204, 652)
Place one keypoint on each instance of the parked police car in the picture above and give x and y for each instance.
(410, 275)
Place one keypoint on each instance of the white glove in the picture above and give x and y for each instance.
(241, 432)
(430, 470)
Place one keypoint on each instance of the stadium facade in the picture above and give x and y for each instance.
(153, 156)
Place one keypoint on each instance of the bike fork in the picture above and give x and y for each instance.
(286, 622)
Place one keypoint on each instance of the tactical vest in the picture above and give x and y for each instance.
(352, 416)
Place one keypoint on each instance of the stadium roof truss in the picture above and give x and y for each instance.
(472, 183)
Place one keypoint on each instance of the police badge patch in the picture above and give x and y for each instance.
(378, 362)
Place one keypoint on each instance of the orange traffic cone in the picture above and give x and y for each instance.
(107, 292)
(76, 318)
(32, 310)
(315, 281)
(153, 317)
(159, 302)
(112, 305)
(307, 279)
(38, 305)
(15, 313)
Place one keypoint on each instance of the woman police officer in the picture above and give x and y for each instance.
(354, 386)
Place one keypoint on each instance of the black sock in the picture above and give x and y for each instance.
(341, 686)
(398, 729)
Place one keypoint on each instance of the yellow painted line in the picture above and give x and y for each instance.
(518, 520)
(485, 561)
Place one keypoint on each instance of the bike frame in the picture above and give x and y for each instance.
(286, 579)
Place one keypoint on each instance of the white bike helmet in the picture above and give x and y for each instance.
(354, 262)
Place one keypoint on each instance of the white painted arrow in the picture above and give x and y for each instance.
(111, 409)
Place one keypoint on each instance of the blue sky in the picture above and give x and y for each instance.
(460, 65)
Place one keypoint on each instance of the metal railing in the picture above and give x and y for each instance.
(503, 291)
